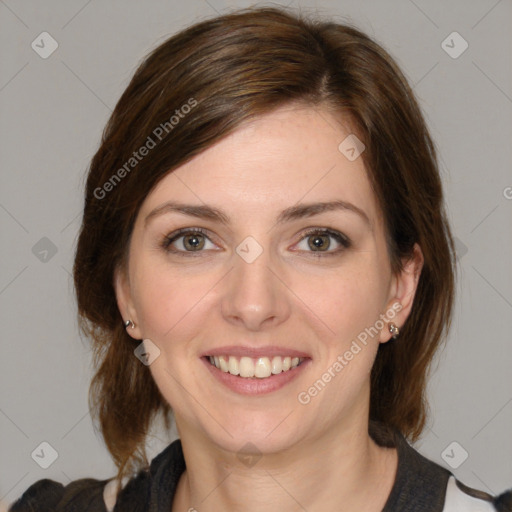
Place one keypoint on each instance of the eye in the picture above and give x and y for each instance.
(187, 240)
(318, 240)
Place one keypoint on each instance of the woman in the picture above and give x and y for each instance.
(264, 252)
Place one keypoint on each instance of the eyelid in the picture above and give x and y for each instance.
(341, 238)
(179, 233)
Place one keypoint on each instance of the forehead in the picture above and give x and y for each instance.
(291, 155)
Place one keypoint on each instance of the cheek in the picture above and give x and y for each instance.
(346, 301)
(168, 301)
(350, 303)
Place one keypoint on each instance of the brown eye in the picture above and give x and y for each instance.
(186, 241)
(193, 242)
(319, 242)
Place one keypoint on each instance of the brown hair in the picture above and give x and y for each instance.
(228, 70)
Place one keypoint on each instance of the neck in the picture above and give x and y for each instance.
(343, 471)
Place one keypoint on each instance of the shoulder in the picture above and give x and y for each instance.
(50, 496)
(423, 485)
(460, 497)
(157, 482)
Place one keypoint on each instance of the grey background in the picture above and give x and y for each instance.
(52, 113)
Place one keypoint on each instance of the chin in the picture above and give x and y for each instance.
(262, 432)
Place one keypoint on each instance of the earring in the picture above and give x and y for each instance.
(129, 323)
(394, 330)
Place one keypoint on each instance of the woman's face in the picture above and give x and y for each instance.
(270, 276)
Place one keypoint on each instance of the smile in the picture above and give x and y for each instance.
(260, 368)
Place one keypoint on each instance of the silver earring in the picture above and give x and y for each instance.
(129, 323)
(394, 330)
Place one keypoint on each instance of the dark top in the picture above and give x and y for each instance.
(420, 486)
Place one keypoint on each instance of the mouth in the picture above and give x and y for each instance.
(255, 371)
(254, 367)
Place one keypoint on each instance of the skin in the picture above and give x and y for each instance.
(317, 456)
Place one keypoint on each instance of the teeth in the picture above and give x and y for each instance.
(277, 365)
(224, 366)
(261, 367)
(233, 366)
(246, 367)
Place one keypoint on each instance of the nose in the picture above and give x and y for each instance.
(254, 297)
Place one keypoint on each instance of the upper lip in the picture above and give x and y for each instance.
(266, 351)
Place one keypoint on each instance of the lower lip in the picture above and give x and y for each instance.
(254, 385)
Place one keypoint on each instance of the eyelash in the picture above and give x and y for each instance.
(342, 239)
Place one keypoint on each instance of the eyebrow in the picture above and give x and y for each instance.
(296, 212)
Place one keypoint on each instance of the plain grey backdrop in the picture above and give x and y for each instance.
(53, 110)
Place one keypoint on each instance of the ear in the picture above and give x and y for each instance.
(124, 301)
(403, 290)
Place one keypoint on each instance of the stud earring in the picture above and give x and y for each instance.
(394, 330)
(129, 323)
